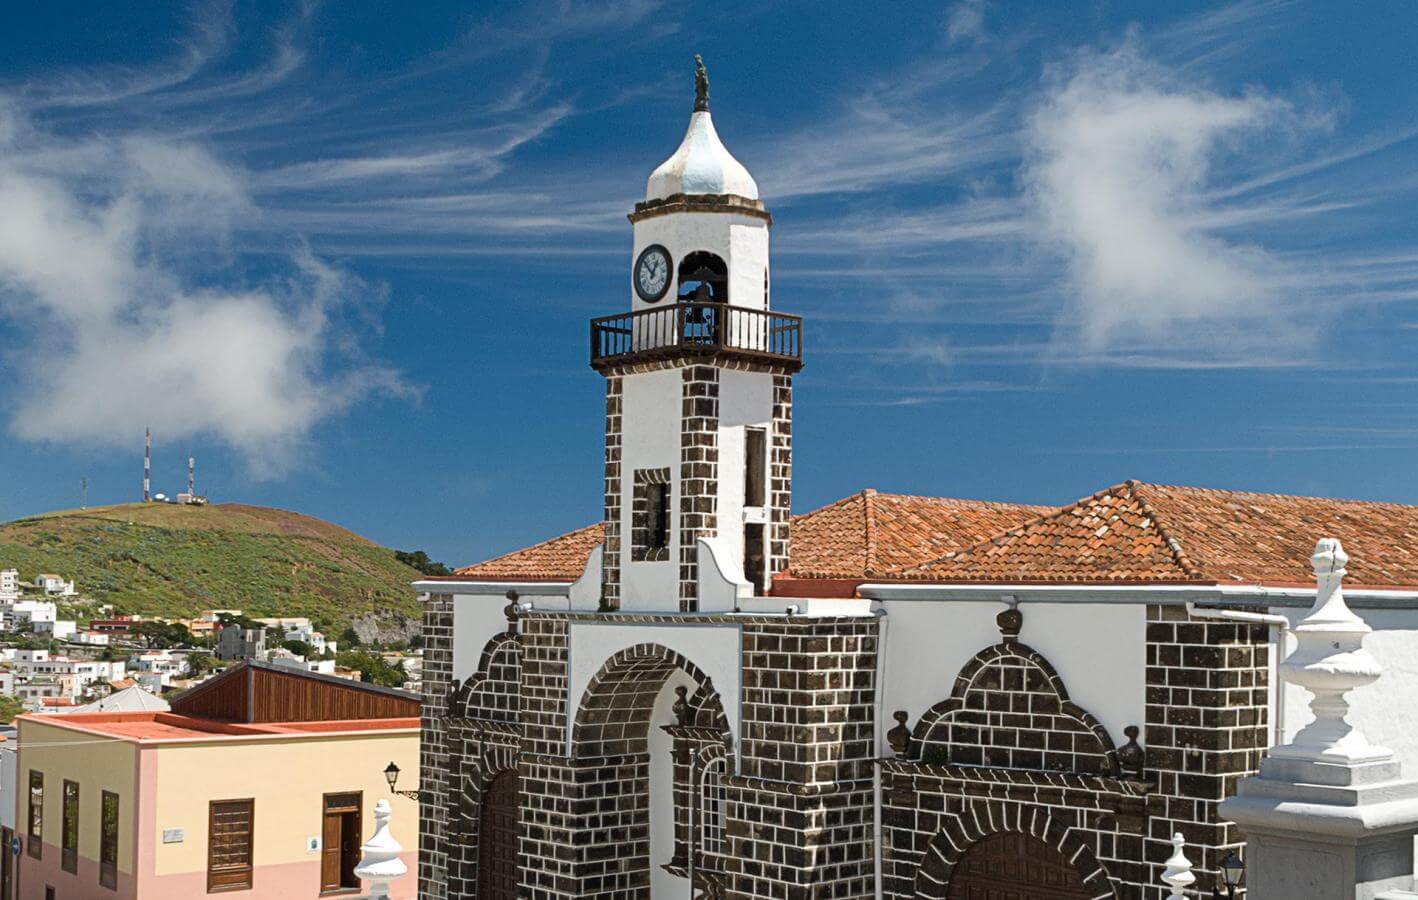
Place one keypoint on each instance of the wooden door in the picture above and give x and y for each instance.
(1010, 866)
(340, 841)
(497, 838)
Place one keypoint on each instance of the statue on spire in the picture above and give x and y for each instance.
(701, 86)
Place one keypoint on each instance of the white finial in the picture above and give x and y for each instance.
(380, 863)
(1178, 874)
(1330, 661)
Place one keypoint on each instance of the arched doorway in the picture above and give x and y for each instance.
(497, 838)
(1015, 866)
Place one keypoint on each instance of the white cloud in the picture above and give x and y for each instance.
(127, 310)
(1119, 175)
(966, 21)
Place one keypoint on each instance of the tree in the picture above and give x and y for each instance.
(199, 664)
(10, 707)
(349, 638)
(158, 635)
(299, 648)
(372, 667)
(417, 559)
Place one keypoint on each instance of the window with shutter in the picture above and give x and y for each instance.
(35, 836)
(108, 842)
(69, 830)
(229, 849)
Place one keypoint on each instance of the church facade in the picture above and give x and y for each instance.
(893, 696)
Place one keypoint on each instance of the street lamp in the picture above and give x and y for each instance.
(391, 775)
(1233, 868)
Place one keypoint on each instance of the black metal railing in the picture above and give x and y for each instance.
(697, 328)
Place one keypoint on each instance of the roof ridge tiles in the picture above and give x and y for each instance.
(869, 530)
(1173, 545)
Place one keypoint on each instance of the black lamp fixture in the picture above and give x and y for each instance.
(391, 775)
(1233, 869)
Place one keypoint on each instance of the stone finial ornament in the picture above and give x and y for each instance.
(1330, 661)
(701, 85)
(1132, 759)
(681, 709)
(1010, 621)
(512, 611)
(899, 737)
(379, 861)
(1178, 872)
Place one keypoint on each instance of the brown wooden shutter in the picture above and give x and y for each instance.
(229, 848)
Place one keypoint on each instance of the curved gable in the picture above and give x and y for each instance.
(1010, 710)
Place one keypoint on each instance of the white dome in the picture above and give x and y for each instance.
(701, 165)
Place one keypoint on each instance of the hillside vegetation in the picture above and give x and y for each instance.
(169, 560)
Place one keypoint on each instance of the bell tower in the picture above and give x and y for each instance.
(698, 452)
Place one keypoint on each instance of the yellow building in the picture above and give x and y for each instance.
(244, 787)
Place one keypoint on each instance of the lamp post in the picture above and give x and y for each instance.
(1233, 868)
(391, 775)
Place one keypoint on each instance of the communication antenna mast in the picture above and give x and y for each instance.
(83, 493)
(191, 464)
(147, 465)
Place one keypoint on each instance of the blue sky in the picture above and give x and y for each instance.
(344, 254)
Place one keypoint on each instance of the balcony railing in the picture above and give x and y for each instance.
(697, 329)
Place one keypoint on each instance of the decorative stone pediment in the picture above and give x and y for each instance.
(1009, 709)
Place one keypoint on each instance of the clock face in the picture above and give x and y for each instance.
(652, 273)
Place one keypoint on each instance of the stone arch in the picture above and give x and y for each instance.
(613, 717)
(984, 819)
(1010, 709)
(493, 692)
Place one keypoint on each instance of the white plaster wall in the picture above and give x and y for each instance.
(650, 437)
(1385, 711)
(741, 241)
(713, 648)
(476, 619)
(745, 399)
(662, 802)
(1099, 650)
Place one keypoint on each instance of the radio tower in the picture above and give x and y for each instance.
(191, 464)
(147, 465)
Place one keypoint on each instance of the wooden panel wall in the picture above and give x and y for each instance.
(252, 695)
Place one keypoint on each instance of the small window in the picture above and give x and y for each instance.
(659, 516)
(755, 448)
(35, 840)
(108, 842)
(650, 516)
(229, 851)
(49, 892)
(69, 830)
(753, 559)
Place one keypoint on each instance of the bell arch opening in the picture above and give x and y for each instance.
(703, 278)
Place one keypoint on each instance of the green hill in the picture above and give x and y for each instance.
(170, 560)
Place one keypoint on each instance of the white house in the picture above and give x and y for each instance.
(59, 629)
(90, 638)
(162, 665)
(55, 585)
(30, 612)
(9, 585)
(895, 696)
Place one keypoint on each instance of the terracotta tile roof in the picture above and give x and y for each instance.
(1149, 532)
(560, 559)
(866, 534)
(870, 534)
